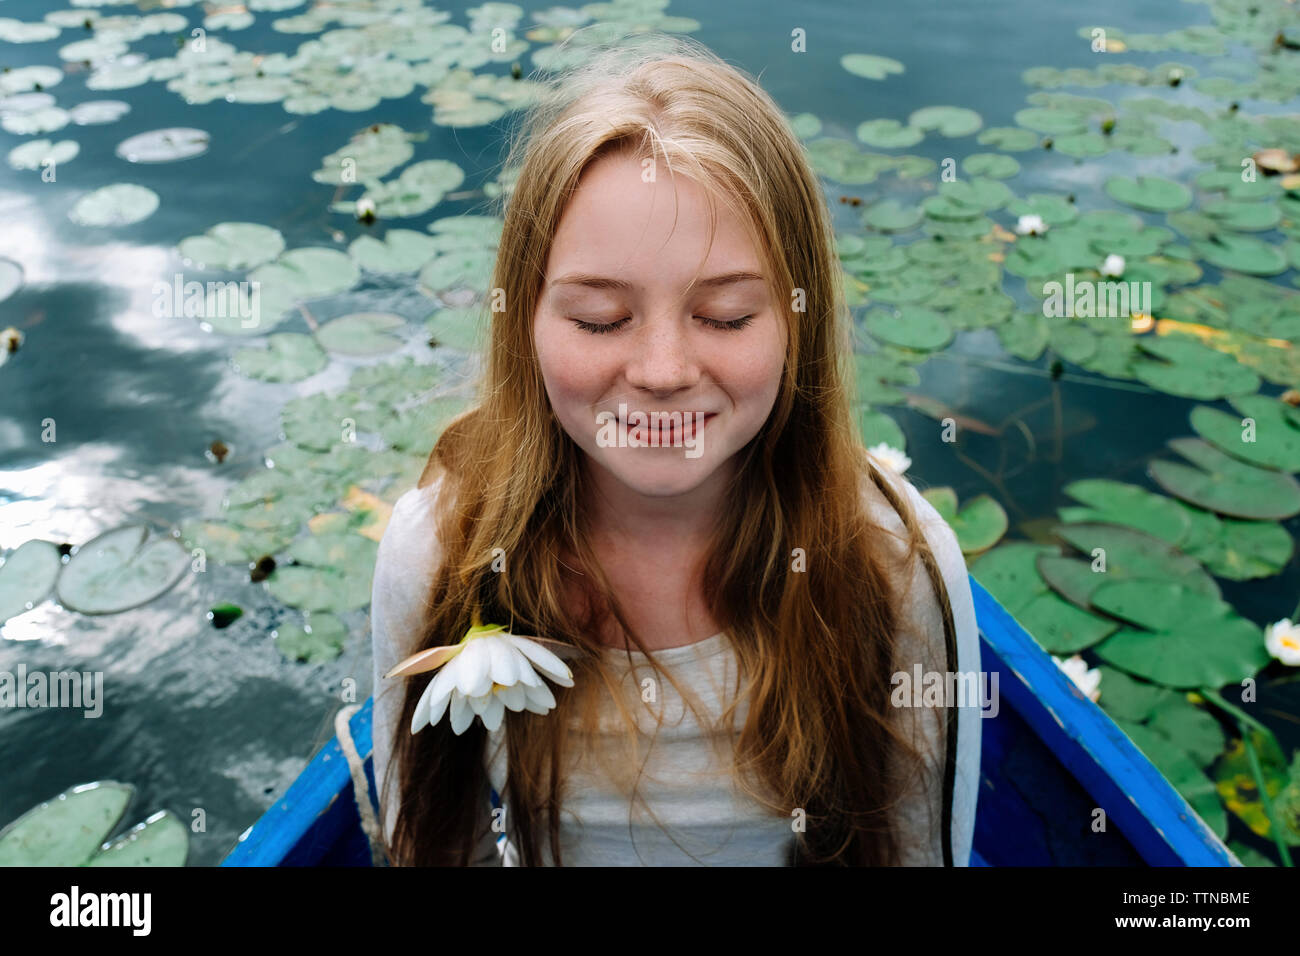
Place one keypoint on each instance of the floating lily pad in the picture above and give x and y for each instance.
(369, 155)
(419, 188)
(1193, 370)
(1053, 121)
(1198, 653)
(1025, 335)
(1239, 791)
(912, 327)
(1072, 578)
(42, 152)
(1060, 627)
(1241, 254)
(67, 830)
(98, 112)
(288, 357)
(307, 273)
(231, 543)
(1225, 485)
(1242, 550)
(947, 120)
(1127, 698)
(1008, 572)
(1270, 440)
(320, 639)
(27, 576)
(1132, 553)
(1114, 502)
(1150, 193)
(890, 215)
(877, 427)
(993, 165)
(1009, 138)
(164, 145)
(161, 840)
(119, 205)
(363, 333)
(469, 268)
(870, 66)
(401, 250)
(978, 525)
(1156, 606)
(457, 328)
(118, 570)
(889, 134)
(332, 573)
(233, 245)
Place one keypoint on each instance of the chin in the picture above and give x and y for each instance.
(671, 475)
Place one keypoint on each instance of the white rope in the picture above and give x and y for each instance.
(360, 785)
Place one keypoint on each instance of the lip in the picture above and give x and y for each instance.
(690, 429)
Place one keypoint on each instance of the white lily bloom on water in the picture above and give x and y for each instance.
(1087, 680)
(488, 671)
(1031, 226)
(1282, 638)
(891, 456)
(1113, 266)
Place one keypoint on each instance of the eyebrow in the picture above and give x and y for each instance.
(608, 282)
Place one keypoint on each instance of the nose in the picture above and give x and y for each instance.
(663, 357)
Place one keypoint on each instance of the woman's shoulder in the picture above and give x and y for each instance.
(404, 565)
(939, 536)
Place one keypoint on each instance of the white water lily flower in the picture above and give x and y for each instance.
(488, 671)
(891, 456)
(1031, 226)
(1282, 638)
(1076, 668)
(1113, 266)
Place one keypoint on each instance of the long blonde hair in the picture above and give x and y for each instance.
(817, 646)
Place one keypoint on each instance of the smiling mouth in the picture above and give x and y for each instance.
(668, 432)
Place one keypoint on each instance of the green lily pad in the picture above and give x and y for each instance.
(401, 250)
(1052, 121)
(119, 205)
(1240, 793)
(1193, 370)
(1127, 698)
(233, 245)
(118, 570)
(1008, 572)
(1199, 653)
(1060, 627)
(1025, 335)
(419, 188)
(1189, 727)
(979, 524)
(1270, 440)
(947, 120)
(67, 830)
(890, 215)
(1072, 578)
(332, 573)
(1114, 502)
(870, 66)
(363, 333)
(370, 155)
(1225, 485)
(457, 328)
(1012, 139)
(889, 134)
(308, 273)
(231, 543)
(1157, 606)
(1150, 193)
(1244, 216)
(320, 639)
(11, 278)
(288, 357)
(1052, 209)
(1241, 254)
(161, 840)
(877, 427)
(913, 327)
(164, 145)
(1132, 553)
(40, 153)
(27, 577)
(1243, 550)
(468, 268)
(993, 165)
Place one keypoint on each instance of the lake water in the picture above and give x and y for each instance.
(200, 718)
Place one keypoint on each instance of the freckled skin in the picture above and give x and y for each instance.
(655, 235)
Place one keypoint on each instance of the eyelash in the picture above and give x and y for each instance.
(601, 328)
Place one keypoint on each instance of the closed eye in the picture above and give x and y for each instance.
(602, 328)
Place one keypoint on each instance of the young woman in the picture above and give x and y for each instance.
(735, 597)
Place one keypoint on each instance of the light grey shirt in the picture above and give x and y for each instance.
(688, 808)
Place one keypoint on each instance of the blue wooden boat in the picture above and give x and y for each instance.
(1049, 758)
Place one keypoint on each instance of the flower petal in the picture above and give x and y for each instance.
(514, 696)
(540, 699)
(545, 661)
(506, 661)
(461, 714)
(473, 674)
(493, 713)
(427, 660)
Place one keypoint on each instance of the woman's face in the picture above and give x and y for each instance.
(619, 333)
